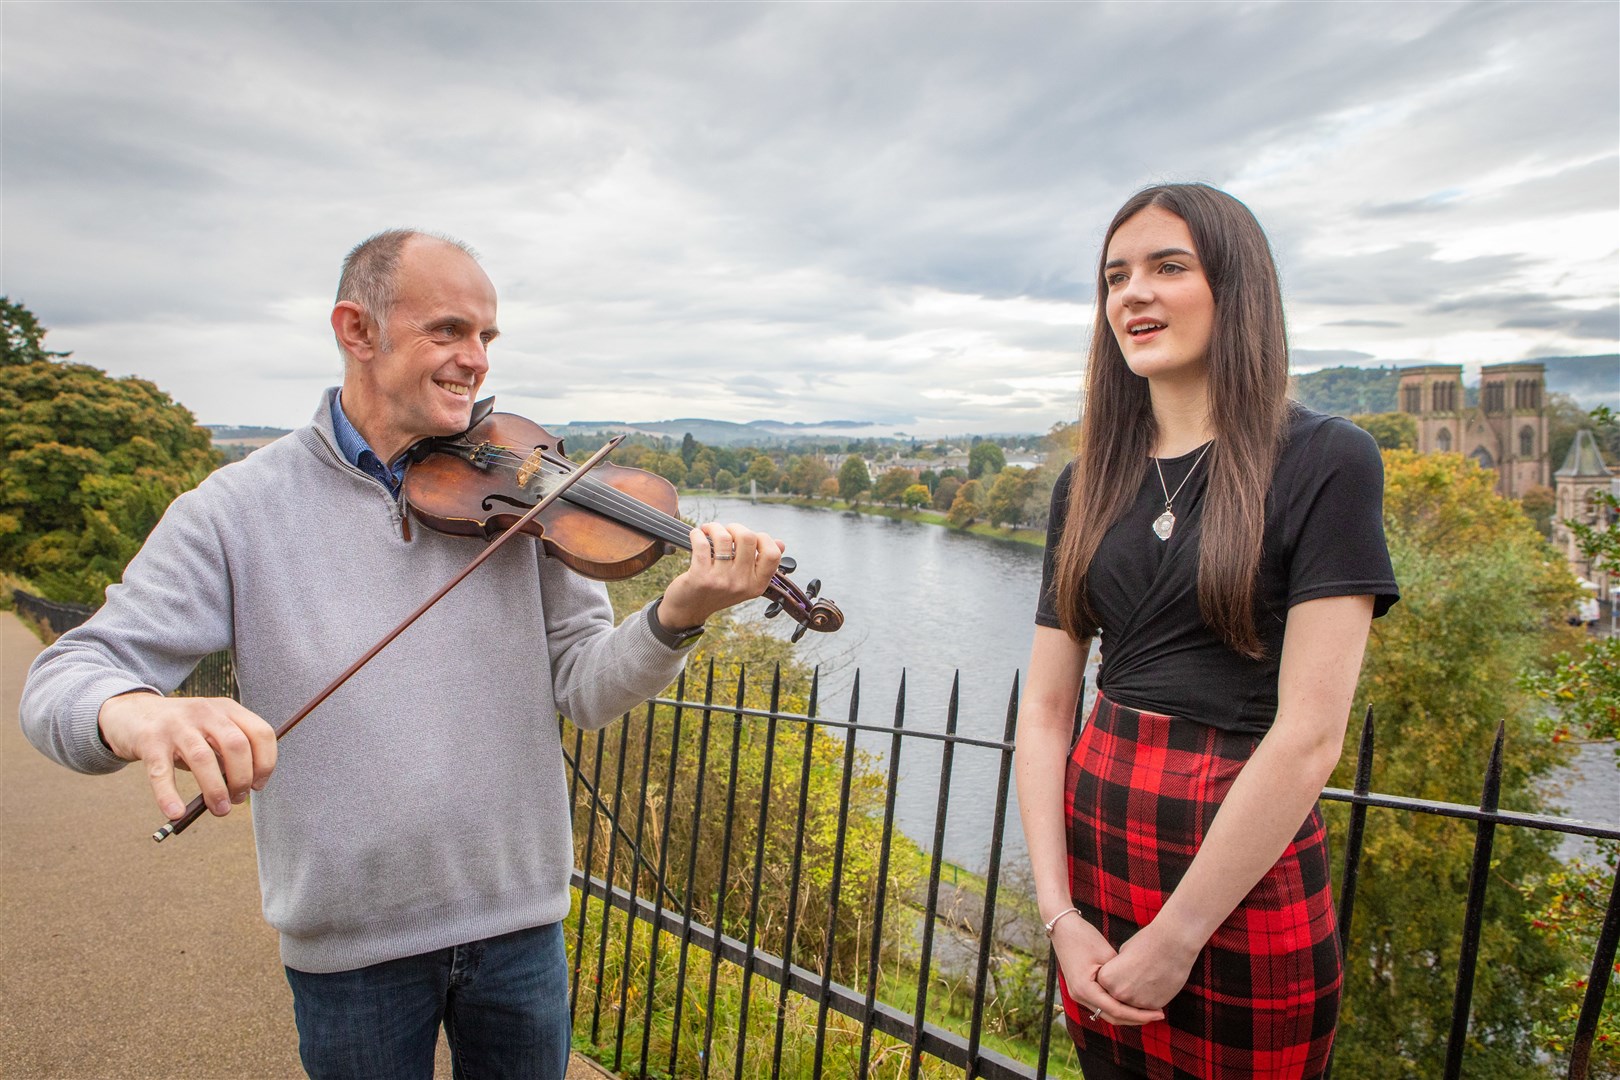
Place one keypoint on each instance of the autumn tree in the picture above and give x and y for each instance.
(945, 493)
(1581, 691)
(968, 506)
(1480, 599)
(88, 464)
(891, 486)
(915, 497)
(806, 473)
(1008, 502)
(1391, 430)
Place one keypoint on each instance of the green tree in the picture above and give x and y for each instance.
(88, 464)
(985, 458)
(853, 479)
(724, 480)
(915, 497)
(23, 336)
(1480, 598)
(762, 471)
(1391, 430)
(945, 493)
(666, 464)
(689, 449)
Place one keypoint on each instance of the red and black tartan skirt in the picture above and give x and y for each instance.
(1263, 996)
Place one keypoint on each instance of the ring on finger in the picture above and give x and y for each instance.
(726, 556)
(1096, 1013)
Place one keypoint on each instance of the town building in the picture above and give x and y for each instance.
(1506, 431)
(1582, 476)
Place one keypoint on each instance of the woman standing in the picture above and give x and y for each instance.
(1227, 548)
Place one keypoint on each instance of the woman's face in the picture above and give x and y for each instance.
(1159, 301)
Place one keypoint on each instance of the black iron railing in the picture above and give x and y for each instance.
(707, 864)
(60, 617)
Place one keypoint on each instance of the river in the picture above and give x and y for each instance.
(929, 603)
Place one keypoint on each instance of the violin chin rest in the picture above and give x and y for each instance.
(481, 411)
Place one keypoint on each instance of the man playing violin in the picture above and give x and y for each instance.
(414, 839)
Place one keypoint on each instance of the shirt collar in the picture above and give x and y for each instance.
(357, 452)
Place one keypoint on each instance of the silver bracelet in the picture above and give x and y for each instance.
(1047, 926)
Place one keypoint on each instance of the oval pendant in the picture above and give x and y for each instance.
(1164, 525)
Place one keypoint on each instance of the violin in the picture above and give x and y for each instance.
(612, 524)
(505, 476)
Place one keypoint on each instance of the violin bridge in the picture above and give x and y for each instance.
(532, 464)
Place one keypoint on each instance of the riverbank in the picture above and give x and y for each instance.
(1032, 537)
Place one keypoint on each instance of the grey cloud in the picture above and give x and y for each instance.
(752, 184)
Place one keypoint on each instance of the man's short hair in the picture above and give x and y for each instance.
(371, 272)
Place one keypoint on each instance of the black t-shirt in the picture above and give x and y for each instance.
(1324, 536)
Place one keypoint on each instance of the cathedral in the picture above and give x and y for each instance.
(1506, 431)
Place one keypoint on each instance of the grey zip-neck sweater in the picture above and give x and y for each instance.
(424, 804)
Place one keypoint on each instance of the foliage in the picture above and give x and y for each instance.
(1481, 595)
(763, 471)
(1390, 430)
(1568, 906)
(1010, 496)
(853, 479)
(1565, 417)
(22, 336)
(806, 475)
(915, 497)
(985, 458)
(890, 488)
(945, 492)
(968, 506)
(88, 464)
(1582, 686)
(1349, 391)
(1538, 503)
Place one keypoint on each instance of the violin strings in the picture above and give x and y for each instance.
(631, 511)
(600, 496)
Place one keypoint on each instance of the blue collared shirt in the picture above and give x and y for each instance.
(357, 452)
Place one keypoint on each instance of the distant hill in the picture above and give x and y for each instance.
(1346, 391)
(250, 435)
(1590, 380)
(725, 432)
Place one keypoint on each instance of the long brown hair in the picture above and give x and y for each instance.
(1248, 392)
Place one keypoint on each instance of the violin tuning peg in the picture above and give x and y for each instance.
(813, 589)
(788, 564)
(773, 609)
(798, 632)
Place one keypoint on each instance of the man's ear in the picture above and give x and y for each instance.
(355, 331)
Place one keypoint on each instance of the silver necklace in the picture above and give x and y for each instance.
(1165, 523)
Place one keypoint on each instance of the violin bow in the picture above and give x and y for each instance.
(195, 808)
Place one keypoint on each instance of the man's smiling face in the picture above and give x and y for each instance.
(438, 333)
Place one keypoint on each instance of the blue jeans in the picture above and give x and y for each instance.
(503, 1002)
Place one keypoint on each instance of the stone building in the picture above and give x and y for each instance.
(1506, 431)
(1582, 475)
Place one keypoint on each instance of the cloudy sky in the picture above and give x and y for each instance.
(886, 212)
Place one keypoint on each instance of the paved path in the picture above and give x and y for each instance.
(121, 957)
